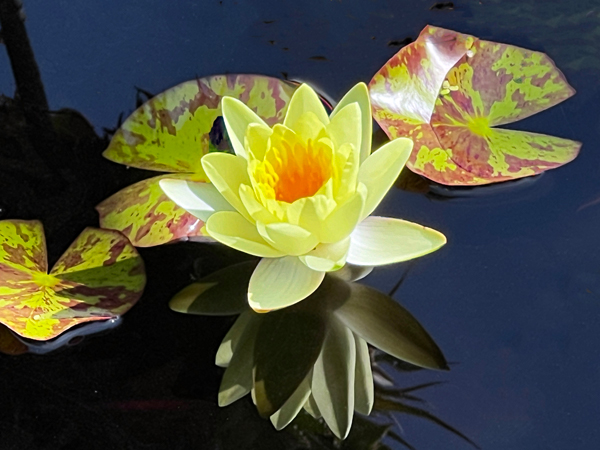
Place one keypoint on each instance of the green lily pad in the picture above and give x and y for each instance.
(100, 276)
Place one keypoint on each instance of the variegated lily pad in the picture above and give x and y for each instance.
(447, 91)
(170, 133)
(100, 276)
(147, 216)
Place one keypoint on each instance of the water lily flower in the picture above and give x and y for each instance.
(299, 195)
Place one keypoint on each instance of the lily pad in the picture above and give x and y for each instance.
(145, 214)
(99, 277)
(447, 91)
(170, 133)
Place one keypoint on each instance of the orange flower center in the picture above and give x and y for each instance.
(293, 170)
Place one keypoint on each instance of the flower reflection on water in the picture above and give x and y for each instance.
(312, 355)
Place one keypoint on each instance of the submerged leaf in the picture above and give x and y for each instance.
(170, 133)
(385, 324)
(447, 90)
(223, 293)
(100, 276)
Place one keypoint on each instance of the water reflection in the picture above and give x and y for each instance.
(13, 344)
(313, 358)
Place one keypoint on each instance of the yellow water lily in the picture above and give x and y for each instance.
(299, 195)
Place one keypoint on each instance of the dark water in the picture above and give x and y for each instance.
(513, 299)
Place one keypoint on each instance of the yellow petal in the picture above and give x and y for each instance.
(196, 197)
(256, 210)
(347, 163)
(256, 140)
(287, 238)
(310, 211)
(280, 282)
(381, 240)
(227, 172)
(308, 126)
(345, 126)
(381, 169)
(230, 228)
(344, 218)
(360, 95)
(304, 100)
(327, 257)
(281, 133)
(237, 117)
(277, 208)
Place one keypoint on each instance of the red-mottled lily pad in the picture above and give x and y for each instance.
(170, 133)
(100, 276)
(447, 90)
(147, 216)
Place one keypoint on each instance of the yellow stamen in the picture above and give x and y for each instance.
(293, 169)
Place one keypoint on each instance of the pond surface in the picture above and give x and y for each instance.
(513, 299)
